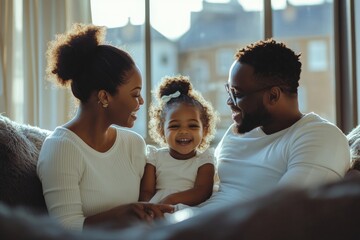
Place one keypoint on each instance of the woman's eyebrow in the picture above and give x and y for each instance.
(136, 88)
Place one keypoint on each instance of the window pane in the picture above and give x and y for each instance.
(125, 22)
(199, 39)
(357, 36)
(18, 71)
(307, 27)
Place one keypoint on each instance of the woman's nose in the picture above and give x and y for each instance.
(141, 100)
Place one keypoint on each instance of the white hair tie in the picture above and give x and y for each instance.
(167, 98)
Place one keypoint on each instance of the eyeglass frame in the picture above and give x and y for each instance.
(234, 96)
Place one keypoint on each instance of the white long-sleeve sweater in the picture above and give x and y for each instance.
(79, 181)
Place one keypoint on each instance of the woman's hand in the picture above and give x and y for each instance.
(149, 211)
(129, 214)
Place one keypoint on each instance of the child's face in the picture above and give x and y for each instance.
(183, 130)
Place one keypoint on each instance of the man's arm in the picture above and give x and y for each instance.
(320, 154)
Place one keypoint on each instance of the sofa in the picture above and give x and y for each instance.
(331, 211)
(19, 150)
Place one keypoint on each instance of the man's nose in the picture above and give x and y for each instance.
(229, 101)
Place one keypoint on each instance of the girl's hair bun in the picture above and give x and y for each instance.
(172, 84)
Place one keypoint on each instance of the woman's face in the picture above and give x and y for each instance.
(126, 102)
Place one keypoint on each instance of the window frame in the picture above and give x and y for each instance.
(345, 60)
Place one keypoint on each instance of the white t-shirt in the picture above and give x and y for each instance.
(173, 175)
(79, 181)
(309, 153)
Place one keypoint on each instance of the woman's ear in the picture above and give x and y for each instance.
(103, 98)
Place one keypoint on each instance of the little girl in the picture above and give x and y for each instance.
(183, 123)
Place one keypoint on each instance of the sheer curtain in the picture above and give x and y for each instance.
(36, 100)
(6, 36)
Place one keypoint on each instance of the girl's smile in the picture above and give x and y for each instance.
(183, 130)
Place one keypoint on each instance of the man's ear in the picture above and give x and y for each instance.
(274, 95)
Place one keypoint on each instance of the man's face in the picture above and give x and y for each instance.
(248, 110)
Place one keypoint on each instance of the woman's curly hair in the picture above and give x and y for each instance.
(81, 59)
(157, 112)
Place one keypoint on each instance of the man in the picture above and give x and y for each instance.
(271, 143)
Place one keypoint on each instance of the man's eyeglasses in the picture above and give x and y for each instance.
(234, 95)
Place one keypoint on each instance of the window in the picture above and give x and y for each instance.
(125, 22)
(317, 56)
(199, 38)
(357, 36)
(198, 70)
(307, 27)
(224, 59)
(18, 84)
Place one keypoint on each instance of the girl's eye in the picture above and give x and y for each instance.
(173, 126)
(194, 126)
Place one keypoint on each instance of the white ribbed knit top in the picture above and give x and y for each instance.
(79, 181)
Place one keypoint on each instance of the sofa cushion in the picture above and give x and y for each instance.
(330, 211)
(19, 150)
(354, 143)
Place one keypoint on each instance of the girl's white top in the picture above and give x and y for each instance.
(173, 175)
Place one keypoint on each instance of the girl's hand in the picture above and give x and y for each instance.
(150, 211)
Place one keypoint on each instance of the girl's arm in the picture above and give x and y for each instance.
(201, 191)
(148, 183)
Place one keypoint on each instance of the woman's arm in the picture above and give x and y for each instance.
(201, 191)
(148, 183)
(60, 168)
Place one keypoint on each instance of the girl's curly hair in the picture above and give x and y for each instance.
(157, 112)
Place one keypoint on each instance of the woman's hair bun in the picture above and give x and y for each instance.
(70, 54)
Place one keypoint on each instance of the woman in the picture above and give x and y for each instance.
(91, 169)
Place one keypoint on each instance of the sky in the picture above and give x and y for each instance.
(117, 13)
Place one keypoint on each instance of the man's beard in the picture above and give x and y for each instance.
(253, 120)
